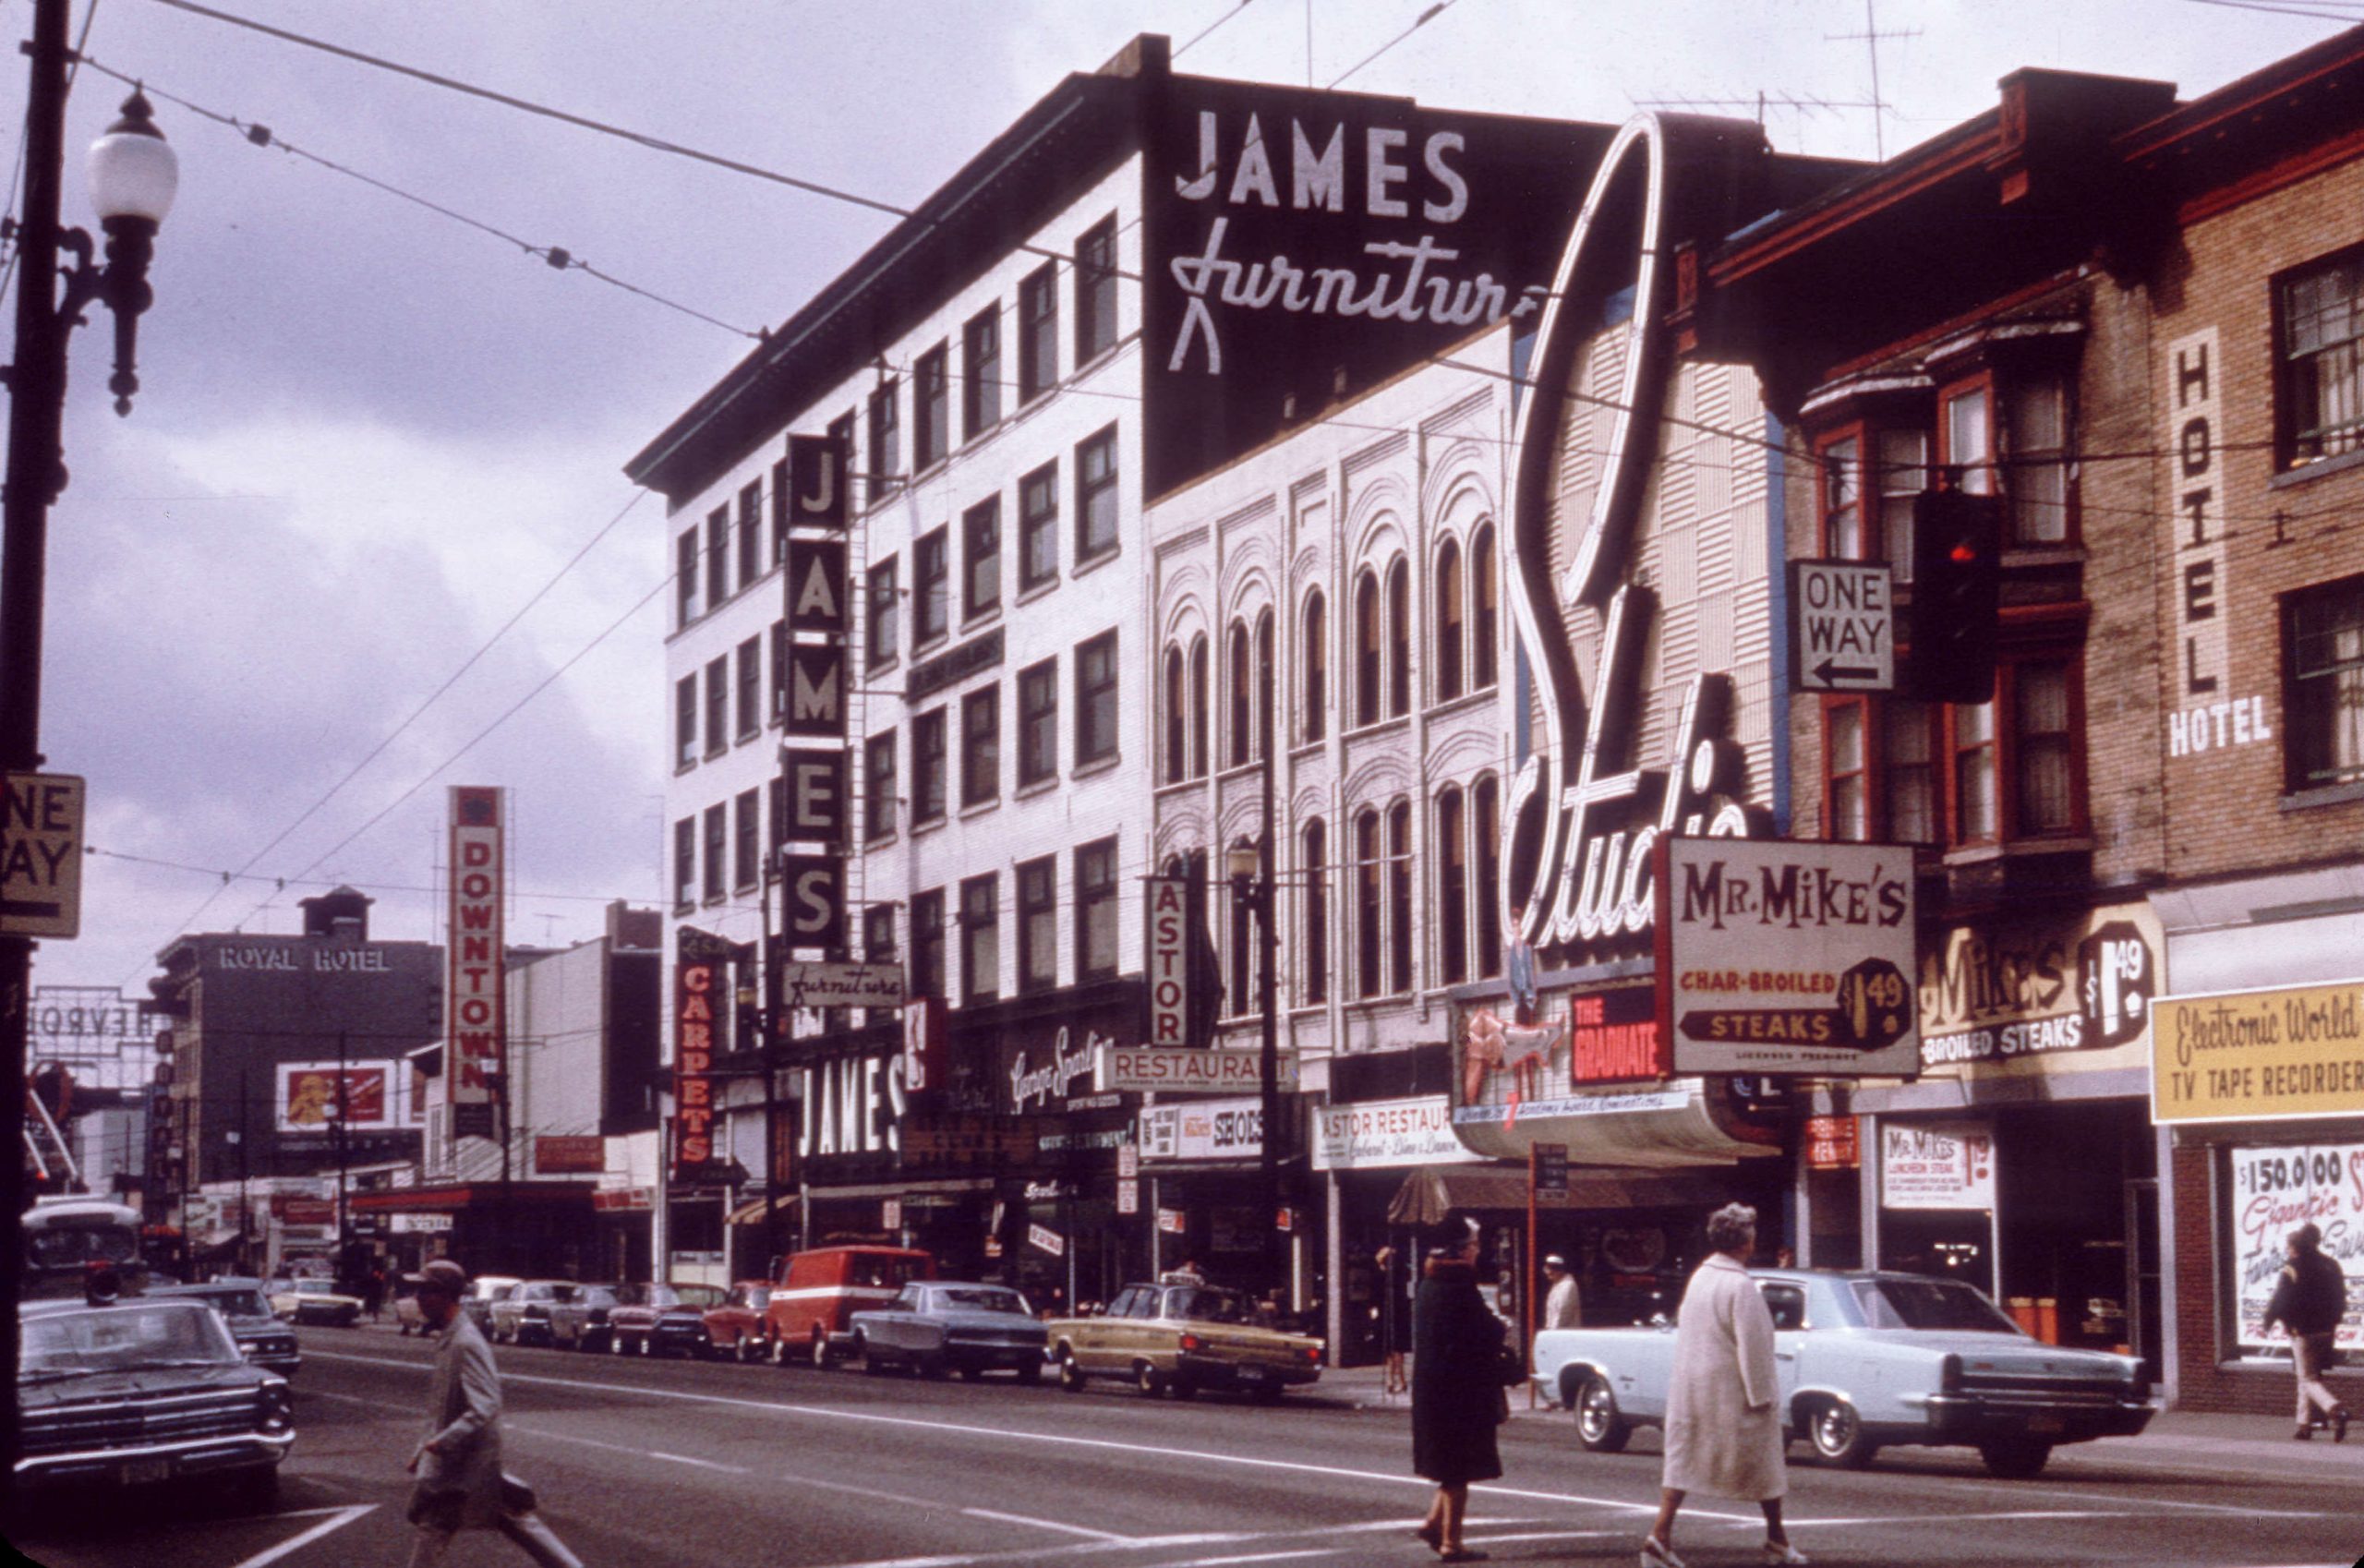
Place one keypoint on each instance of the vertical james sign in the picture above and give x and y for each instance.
(473, 1012)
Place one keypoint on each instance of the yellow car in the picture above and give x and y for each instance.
(1181, 1338)
(316, 1301)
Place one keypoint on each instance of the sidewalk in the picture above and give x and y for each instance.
(2178, 1439)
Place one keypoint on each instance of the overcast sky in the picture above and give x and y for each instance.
(367, 434)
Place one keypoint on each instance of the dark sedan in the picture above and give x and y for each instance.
(937, 1326)
(261, 1337)
(146, 1391)
(658, 1320)
(580, 1322)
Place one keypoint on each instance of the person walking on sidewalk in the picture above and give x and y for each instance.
(460, 1486)
(2310, 1300)
(1457, 1392)
(1723, 1416)
(1563, 1308)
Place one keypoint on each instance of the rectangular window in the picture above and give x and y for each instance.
(1969, 438)
(685, 577)
(1903, 473)
(981, 938)
(981, 746)
(1038, 527)
(878, 786)
(981, 559)
(1367, 904)
(1038, 333)
(886, 452)
(2045, 759)
(884, 602)
(718, 706)
(927, 766)
(931, 410)
(751, 687)
(1095, 911)
(1399, 897)
(1977, 816)
(750, 533)
(685, 721)
(717, 830)
(1038, 924)
(1095, 292)
(1848, 796)
(1095, 700)
(2038, 476)
(1038, 722)
(685, 863)
(746, 839)
(1452, 891)
(1842, 498)
(931, 586)
(779, 511)
(717, 556)
(1908, 751)
(2320, 401)
(1095, 496)
(2322, 637)
(981, 374)
(1313, 961)
(927, 943)
(878, 934)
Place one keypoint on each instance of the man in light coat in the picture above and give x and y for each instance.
(1562, 1309)
(458, 1460)
(1723, 1408)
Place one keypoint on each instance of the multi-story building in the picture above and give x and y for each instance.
(1145, 277)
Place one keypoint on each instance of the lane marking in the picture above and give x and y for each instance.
(1260, 1557)
(701, 1464)
(1046, 1524)
(341, 1518)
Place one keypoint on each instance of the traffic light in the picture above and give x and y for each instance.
(1957, 584)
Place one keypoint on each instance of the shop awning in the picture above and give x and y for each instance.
(1432, 1193)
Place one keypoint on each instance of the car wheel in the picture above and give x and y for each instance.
(1031, 1374)
(1147, 1379)
(1600, 1428)
(648, 1346)
(738, 1351)
(872, 1364)
(2015, 1459)
(820, 1351)
(780, 1353)
(932, 1367)
(1837, 1433)
(615, 1343)
(1071, 1375)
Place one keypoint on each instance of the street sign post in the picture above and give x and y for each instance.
(41, 855)
(1842, 626)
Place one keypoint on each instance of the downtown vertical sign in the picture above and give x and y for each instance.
(474, 1012)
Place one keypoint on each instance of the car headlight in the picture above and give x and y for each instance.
(275, 1409)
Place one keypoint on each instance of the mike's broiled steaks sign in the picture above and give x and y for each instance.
(1780, 957)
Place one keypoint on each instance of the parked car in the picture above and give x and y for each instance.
(657, 1319)
(261, 1337)
(522, 1316)
(317, 1301)
(1182, 1337)
(810, 1315)
(939, 1327)
(145, 1389)
(1870, 1359)
(482, 1291)
(736, 1328)
(580, 1322)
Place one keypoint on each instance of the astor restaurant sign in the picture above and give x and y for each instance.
(1127, 1069)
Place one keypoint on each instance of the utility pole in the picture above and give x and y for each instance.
(343, 1233)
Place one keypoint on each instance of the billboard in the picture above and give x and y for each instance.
(317, 1096)
(474, 1016)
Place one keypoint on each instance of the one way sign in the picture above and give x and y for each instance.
(41, 854)
(1842, 626)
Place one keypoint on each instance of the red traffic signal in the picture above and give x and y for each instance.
(1957, 594)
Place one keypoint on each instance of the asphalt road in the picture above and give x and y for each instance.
(653, 1465)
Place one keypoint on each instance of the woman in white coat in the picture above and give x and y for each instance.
(1723, 1414)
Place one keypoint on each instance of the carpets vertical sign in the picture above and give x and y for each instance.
(698, 981)
(473, 1012)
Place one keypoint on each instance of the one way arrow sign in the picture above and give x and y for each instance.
(1842, 626)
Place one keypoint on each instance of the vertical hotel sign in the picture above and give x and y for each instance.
(473, 1011)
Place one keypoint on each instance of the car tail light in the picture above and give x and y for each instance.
(1949, 1375)
(1192, 1342)
(1313, 1355)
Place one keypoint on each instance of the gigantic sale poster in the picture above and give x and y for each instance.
(2276, 1191)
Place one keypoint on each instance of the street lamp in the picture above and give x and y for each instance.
(132, 174)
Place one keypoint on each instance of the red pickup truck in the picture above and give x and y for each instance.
(809, 1313)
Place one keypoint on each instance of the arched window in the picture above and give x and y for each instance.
(1486, 831)
(1178, 757)
(1266, 719)
(1366, 649)
(1313, 722)
(1399, 895)
(1399, 638)
(1449, 665)
(1367, 897)
(1242, 715)
(1453, 890)
(1485, 616)
(1313, 972)
(1243, 944)
(1198, 707)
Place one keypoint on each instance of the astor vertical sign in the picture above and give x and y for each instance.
(473, 1014)
(1169, 961)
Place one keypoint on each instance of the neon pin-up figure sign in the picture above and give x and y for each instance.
(1582, 813)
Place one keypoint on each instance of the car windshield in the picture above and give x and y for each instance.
(699, 1295)
(242, 1303)
(597, 1296)
(983, 1299)
(315, 1287)
(1929, 1304)
(1205, 1304)
(114, 1339)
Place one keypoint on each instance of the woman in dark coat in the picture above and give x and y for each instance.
(1457, 1392)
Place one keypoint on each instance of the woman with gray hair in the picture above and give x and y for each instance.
(1723, 1416)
